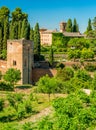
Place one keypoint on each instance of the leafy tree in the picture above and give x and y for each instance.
(37, 42)
(69, 25)
(75, 26)
(47, 85)
(12, 76)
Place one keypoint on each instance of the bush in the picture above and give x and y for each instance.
(90, 67)
(28, 106)
(76, 66)
(60, 65)
(14, 99)
(6, 86)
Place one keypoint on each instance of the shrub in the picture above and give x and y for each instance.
(1, 104)
(76, 66)
(90, 67)
(60, 65)
(6, 86)
(28, 106)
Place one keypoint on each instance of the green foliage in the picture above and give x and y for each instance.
(89, 27)
(87, 54)
(28, 106)
(65, 73)
(76, 66)
(47, 85)
(94, 23)
(75, 111)
(45, 124)
(51, 57)
(1, 104)
(60, 65)
(6, 86)
(79, 43)
(3, 54)
(74, 54)
(83, 75)
(59, 40)
(14, 99)
(90, 67)
(37, 47)
(69, 26)
(32, 34)
(24, 29)
(12, 76)
(75, 26)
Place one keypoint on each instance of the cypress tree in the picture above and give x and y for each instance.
(37, 42)
(24, 30)
(89, 27)
(19, 29)
(69, 26)
(6, 33)
(75, 26)
(1, 45)
(51, 57)
(32, 34)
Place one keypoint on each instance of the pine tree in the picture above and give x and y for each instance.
(37, 42)
(75, 26)
(69, 26)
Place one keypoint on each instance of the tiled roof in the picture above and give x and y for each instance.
(73, 34)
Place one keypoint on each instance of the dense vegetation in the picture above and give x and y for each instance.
(15, 25)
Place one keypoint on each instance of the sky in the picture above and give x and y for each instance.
(49, 13)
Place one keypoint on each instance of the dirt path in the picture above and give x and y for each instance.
(38, 116)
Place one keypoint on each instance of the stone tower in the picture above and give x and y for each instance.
(20, 56)
(62, 26)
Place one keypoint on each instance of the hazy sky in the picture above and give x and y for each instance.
(49, 13)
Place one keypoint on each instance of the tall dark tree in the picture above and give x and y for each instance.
(75, 26)
(4, 28)
(6, 33)
(69, 26)
(16, 24)
(24, 30)
(32, 34)
(94, 23)
(37, 42)
(1, 46)
(89, 27)
(51, 57)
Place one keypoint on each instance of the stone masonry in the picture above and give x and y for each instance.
(20, 56)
